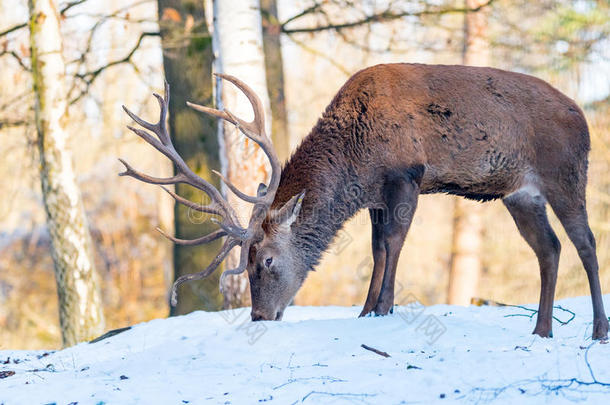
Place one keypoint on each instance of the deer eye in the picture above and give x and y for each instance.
(268, 261)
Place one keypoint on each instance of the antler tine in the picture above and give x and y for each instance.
(146, 136)
(217, 234)
(212, 111)
(276, 171)
(257, 105)
(237, 191)
(159, 128)
(229, 244)
(236, 232)
(131, 172)
(210, 208)
(254, 130)
(140, 121)
(260, 138)
(163, 107)
(243, 263)
(185, 174)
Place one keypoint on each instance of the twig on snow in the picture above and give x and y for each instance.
(379, 352)
(337, 394)
(541, 385)
(480, 302)
(535, 311)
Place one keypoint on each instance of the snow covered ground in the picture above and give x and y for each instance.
(438, 354)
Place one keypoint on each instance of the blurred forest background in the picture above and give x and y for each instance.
(119, 51)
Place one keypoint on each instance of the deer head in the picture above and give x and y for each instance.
(264, 249)
(275, 273)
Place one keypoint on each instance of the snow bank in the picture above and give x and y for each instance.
(439, 354)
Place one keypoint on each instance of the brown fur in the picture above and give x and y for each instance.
(395, 131)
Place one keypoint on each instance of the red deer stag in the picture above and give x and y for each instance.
(391, 133)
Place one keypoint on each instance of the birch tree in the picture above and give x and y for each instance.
(238, 41)
(78, 285)
(467, 217)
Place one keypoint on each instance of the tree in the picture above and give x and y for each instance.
(239, 39)
(467, 216)
(274, 64)
(187, 60)
(80, 306)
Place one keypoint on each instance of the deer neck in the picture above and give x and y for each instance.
(334, 193)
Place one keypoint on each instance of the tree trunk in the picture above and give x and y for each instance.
(239, 39)
(274, 64)
(467, 217)
(78, 285)
(187, 60)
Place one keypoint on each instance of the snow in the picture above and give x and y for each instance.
(439, 354)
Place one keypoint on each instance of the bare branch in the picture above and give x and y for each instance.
(17, 27)
(89, 77)
(69, 5)
(13, 28)
(17, 99)
(8, 123)
(384, 16)
(303, 13)
(16, 56)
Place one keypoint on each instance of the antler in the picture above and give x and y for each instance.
(229, 225)
(254, 130)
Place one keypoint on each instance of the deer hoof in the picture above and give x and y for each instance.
(600, 329)
(365, 312)
(383, 309)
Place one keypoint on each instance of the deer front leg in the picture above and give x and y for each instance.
(379, 255)
(401, 198)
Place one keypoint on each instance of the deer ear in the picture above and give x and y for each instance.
(290, 211)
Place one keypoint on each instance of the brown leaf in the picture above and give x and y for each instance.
(171, 14)
(25, 50)
(40, 18)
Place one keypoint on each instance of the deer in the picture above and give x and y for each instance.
(391, 133)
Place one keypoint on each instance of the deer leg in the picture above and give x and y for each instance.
(529, 213)
(401, 198)
(379, 255)
(573, 216)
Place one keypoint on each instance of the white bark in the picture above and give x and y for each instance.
(238, 39)
(80, 308)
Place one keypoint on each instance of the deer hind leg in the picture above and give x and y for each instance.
(529, 212)
(379, 255)
(401, 201)
(571, 211)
